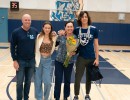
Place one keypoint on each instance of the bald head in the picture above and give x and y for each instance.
(26, 20)
(26, 16)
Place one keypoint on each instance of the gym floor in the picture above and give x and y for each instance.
(114, 65)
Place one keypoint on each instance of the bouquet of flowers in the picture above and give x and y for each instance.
(71, 45)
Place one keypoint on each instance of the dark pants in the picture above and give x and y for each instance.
(81, 64)
(59, 70)
(25, 72)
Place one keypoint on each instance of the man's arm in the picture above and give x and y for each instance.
(13, 49)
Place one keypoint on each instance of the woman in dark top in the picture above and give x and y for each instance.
(88, 51)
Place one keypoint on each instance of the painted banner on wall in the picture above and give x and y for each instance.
(65, 10)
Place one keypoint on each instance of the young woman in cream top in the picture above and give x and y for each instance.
(45, 45)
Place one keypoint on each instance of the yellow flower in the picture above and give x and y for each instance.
(71, 38)
(74, 42)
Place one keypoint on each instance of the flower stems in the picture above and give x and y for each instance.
(66, 62)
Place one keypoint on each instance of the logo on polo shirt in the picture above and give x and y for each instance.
(31, 36)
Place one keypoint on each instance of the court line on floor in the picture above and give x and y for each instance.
(107, 68)
(7, 90)
(103, 98)
(9, 96)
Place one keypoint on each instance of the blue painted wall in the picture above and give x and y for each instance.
(3, 25)
(113, 34)
(109, 33)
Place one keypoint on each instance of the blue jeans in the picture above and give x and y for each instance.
(43, 74)
(26, 71)
(59, 70)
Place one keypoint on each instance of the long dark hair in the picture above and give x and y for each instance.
(81, 15)
(42, 31)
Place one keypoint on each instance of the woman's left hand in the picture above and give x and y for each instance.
(96, 62)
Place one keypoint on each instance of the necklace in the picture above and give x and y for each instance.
(86, 40)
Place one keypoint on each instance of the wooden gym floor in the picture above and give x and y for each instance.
(114, 65)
